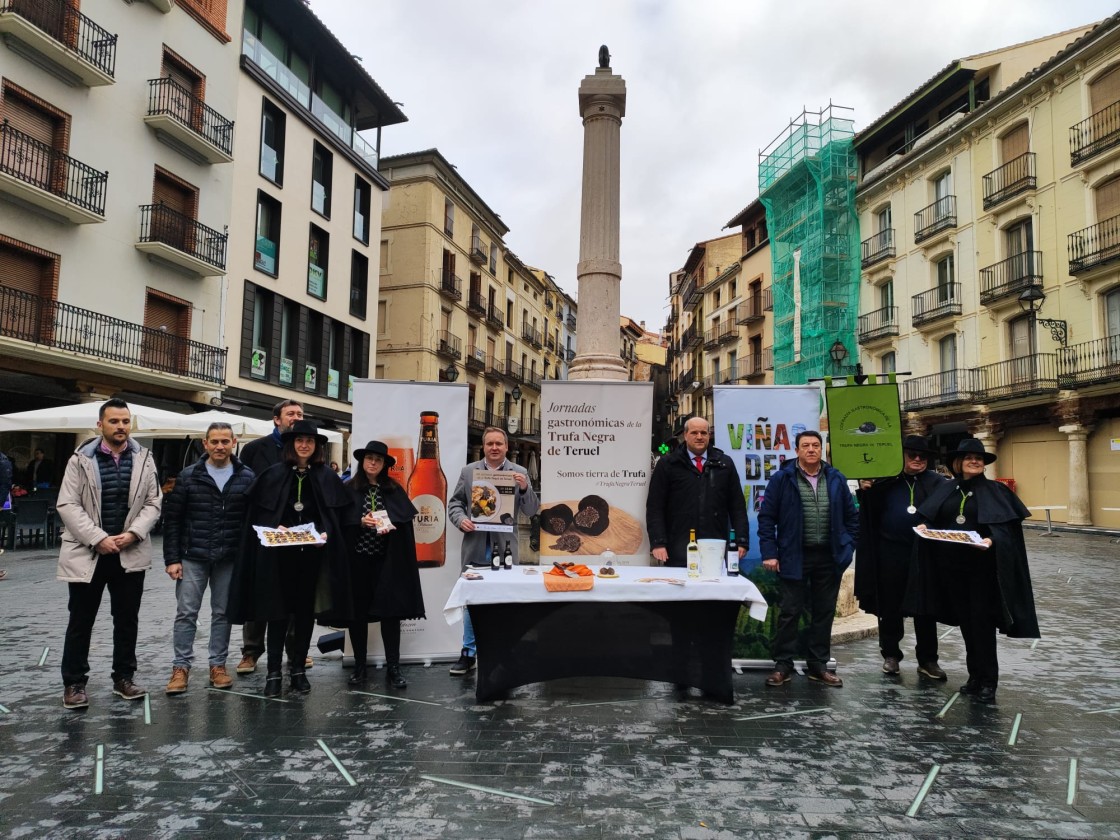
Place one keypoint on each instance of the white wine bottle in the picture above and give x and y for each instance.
(692, 553)
(732, 556)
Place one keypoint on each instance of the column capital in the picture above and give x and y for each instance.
(1076, 430)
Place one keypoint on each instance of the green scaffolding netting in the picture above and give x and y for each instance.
(807, 183)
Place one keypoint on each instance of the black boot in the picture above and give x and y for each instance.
(359, 675)
(273, 683)
(393, 676)
(299, 682)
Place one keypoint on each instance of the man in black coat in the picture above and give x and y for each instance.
(888, 513)
(202, 524)
(694, 487)
(259, 455)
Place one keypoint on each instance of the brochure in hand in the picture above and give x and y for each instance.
(493, 493)
(295, 535)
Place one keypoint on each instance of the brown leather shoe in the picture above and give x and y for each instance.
(247, 665)
(74, 697)
(932, 670)
(890, 665)
(219, 678)
(826, 677)
(129, 690)
(178, 682)
(778, 677)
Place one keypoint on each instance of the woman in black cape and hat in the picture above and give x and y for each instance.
(294, 583)
(383, 568)
(978, 590)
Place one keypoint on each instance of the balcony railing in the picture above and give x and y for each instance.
(768, 299)
(478, 255)
(476, 304)
(515, 371)
(1024, 376)
(480, 418)
(532, 379)
(711, 337)
(1095, 135)
(691, 338)
(532, 335)
(768, 358)
(166, 97)
(1094, 245)
(685, 380)
(159, 223)
(569, 355)
(494, 317)
(35, 163)
(450, 286)
(690, 294)
(949, 387)
(1014, 177)
(48, 322)
(749, 367)
(944, 301)
(495, 368)
(78, 35)
(571, 321)
(941, 215)
(476, 359)
(449, 345)
(550, 343)
(877, 247)
(750, 310)
(1089, 363)
(1010, 276)
(548, 300)
(878, 324)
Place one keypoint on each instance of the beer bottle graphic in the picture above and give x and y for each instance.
(427, 488)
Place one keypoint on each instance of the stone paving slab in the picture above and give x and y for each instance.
(591, 758)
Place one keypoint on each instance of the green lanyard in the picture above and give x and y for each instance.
(372, 500)
(911, 509)
(960, 511)
(298, 506)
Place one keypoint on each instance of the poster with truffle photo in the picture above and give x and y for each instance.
(595, 466)
(492, 498)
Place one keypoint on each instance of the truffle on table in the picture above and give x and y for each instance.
(593, 515)
(556, 519)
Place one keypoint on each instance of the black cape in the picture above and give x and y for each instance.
(1000, 513)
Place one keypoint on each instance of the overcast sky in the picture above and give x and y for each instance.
(493, 85)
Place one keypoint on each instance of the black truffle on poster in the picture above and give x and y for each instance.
(593, 515)
(556, 519)
(568, 542)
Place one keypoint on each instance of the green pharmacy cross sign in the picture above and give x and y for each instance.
(663, 449)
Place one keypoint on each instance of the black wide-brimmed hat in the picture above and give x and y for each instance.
(972, 446)
(375, 447)
(304, 428)
(917, 443)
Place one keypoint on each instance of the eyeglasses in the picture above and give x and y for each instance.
(917, 456)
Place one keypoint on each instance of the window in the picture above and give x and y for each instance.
(947, 360)
(944, 268)
(449, 217)
(942, 186)
(494, 259)
(167, 321)
(359, 284)
(289, 340)
(1015, 143)
(1106, 197)
(318, 252)
(261, 338)
(382, 318)
(734, 290)
(887, 363)
(267, 254)
(886, 294)
(1112, 313)
(337, 341)
(322, 164)
(509, 313)
(383, 261)
(1021, 334)
(1019, 241)
(174, 207)
(361, 210)
(312, 367)
(883, 219)
(31, 123)
(272, 142)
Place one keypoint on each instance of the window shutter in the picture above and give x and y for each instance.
(22, 271)
(1105, 90)
(1015, 143)
(23, 116)
(1107, 197)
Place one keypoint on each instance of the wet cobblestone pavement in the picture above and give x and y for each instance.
(576, 758)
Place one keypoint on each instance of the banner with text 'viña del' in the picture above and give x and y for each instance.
(595, 468)
(864, 430)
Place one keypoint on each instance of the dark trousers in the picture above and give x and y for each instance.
(252, 640)
(893, 570)
(978, 606)
(390, 636)
(125, 590)
(299, 575)
(817, 590)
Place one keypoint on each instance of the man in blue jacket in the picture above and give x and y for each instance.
(807, 530)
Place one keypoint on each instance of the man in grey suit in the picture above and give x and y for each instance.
(477, 544)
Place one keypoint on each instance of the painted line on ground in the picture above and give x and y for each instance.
(941, 715)
(393, 697)
(602, 703)
(5, 710)
(926, 785)
(338, 764)
(148, 709)
(99, 770)
(245, 694)
(1069, 578)
(1034, 644)
(43, 658)
(1015, 730)
(786, 714)
(1071, 785)
(494, 791)
(1103, 711)
(947, 632)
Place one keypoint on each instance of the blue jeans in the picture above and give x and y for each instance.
(468, 633)
(188, 593)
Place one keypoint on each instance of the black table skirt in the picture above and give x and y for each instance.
(681, 642)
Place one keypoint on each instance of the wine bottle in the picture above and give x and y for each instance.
(427, 488)
(495, 559)
(692, 554)
(507, 557)
(732, 556)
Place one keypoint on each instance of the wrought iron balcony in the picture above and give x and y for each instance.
(477, 254)
(944, 301)
(494, 317)
(532, 335)
(476, 305)
(690, 294)
(187, 123)
(571, 321)
(882, 323)
(1021, 377)
(515, 371)
(76, 49)
(550, 343)
(749, 367)
(476, 359)
(1014, 177)
(179, 239)
(495, 369)
(449, 346)
(1089, 363)
(768, 358)
(40, 175)
(949, 387)
(877, 247)
(768, 299)
(939, 216)
(691, 338)
(480, 418)
(711, 338)
(1097, 134)
(750, 310)
(1094, 246)
(548, 300)
(450, 286)
(685, 380)
(1010, 277)
(570, 355)
(102, 339)
(532, 379)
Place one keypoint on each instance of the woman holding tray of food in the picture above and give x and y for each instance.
(384, 574)
(981, 587)
(295, 581)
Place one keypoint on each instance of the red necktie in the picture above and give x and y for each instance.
(699, 464)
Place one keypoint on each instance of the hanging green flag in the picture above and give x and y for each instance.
(864, 430)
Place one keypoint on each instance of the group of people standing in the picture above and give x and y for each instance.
(365, 571)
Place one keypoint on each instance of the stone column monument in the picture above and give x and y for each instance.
(602, 104)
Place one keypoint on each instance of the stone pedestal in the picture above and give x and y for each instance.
(602, 104)
(1079, 512)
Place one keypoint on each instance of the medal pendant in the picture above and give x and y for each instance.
(911, 509)
(960, 520)
(298, 506)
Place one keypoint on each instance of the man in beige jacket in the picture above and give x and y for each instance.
(109, 502)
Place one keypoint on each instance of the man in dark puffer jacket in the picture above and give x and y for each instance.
(203, 520)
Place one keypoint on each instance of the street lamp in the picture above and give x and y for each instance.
(673, 405)
(451, 373)
(1032, 298)
(516, 393)
(838, 352)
